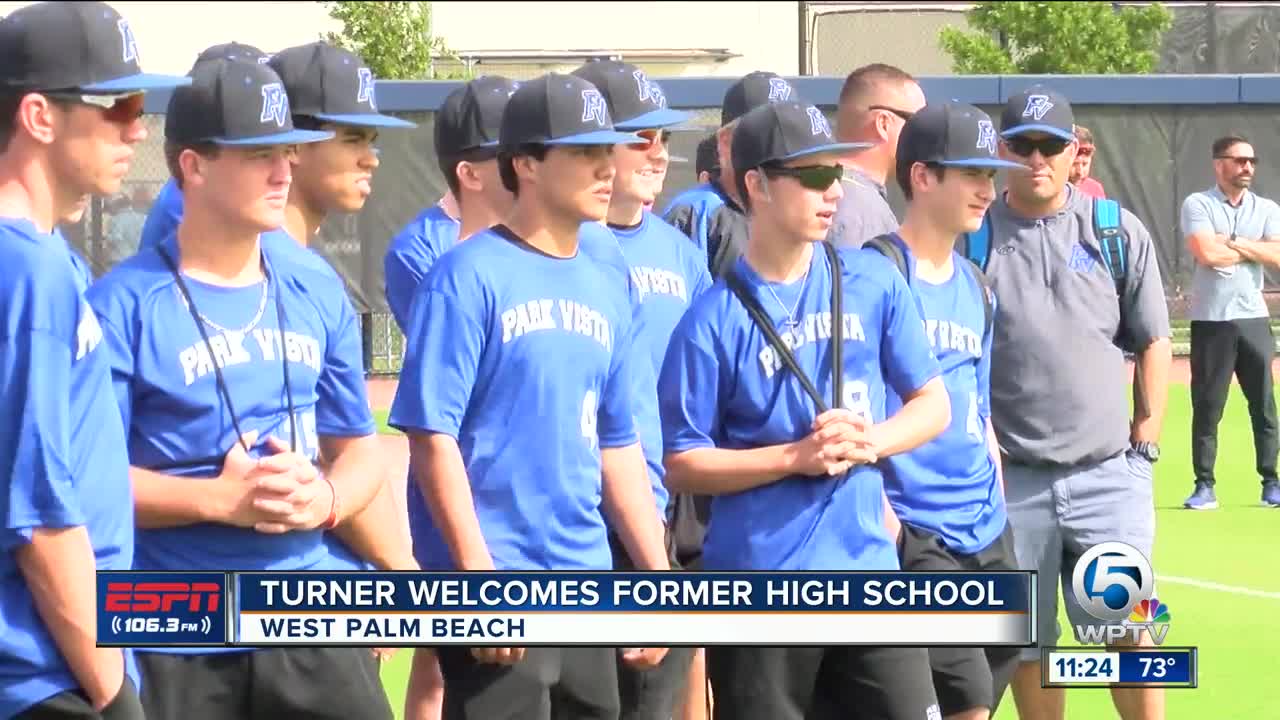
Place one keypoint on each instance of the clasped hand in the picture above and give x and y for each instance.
(276, 493)
(840, 439)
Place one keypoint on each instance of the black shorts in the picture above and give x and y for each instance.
(816, 683)
(317, 683)
(650, 694)
(965, 678)
(547, 684)
(75, 705)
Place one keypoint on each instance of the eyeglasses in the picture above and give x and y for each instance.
(650, 138)
(905, 115)
(1239, 160)
(812, 177)
(1048, 147)
(115, 108)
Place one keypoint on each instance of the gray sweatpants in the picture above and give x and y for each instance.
(1059, 513)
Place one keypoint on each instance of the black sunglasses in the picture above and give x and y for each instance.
(900, 113)
(813, 177)
(1239, 160)
(1048, 147)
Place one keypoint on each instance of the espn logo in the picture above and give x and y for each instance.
(143, 597)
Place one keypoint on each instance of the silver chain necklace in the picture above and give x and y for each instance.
(257, 318)
(791, 323)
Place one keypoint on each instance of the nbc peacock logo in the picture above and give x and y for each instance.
(1150, 611)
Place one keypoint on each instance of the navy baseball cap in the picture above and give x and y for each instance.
(781, 131)
(332, 84)
(234, 102)
(232, 51)
(471, 116)
(74, 46)
(635, 101)
(1038, 109)
(752, 91)
(557, 109)
(950, 133)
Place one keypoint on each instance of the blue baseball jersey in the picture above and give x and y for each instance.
(948, 485)
(177, 421)
(163, 216)
(668, 272)
(61, 447)
(722, 385)
(530, 372)
(691, 210)
(411, 254)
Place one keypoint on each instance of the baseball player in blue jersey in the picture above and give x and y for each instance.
(486, 354)
(947, 493)
(68, 124)
(795, 483)
(668, 272)
(466, 145)
(235, 369)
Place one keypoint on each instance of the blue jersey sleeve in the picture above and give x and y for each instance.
(443, 346)
(688, 388)
(906, 356)
(44, 312)
(616, 422)
(163, 217)
(342, 404)
(403, 272)
(696, 270)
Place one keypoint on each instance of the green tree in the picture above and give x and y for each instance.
(394, 38)
(1062, 38)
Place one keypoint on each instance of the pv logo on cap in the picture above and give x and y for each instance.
(779, 89)
(1037, 106)
(365, 94)
(986, 136)
(818, 124)
(127, 40)
(594, 107)
(275, 104)
(649, 91)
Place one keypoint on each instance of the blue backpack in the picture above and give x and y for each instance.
(1112, 239)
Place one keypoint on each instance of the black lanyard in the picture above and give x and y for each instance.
(217, 369)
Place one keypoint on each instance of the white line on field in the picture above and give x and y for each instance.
(1206, 585)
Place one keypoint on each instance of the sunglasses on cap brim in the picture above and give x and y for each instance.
(120, 108)
(1048, 146)
(811, 177)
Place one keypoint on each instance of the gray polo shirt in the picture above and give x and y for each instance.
(1059, 386)
(863, 211)
(1233, 292)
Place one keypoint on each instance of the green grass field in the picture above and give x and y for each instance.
(1232, 548)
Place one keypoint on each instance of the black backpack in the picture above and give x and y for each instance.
(886, 245)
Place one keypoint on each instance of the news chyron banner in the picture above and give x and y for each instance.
(625, 609)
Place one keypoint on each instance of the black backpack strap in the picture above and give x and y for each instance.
(984, 286)
(837, 325)
(890, 249)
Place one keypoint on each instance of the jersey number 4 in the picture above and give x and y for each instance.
(590, 411)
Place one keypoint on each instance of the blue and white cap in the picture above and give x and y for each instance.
(558, 109)
(950, 133)
(635, 101)
(781, 131)
(331, 84)
(234, 102)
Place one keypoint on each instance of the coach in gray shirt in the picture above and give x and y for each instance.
(1077, 469)
(1230, 231)
(875, 102)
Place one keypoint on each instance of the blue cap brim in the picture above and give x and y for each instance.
(1054, 131)
(600, 137)
(828, 148)
(293, 137)
(983, 162)
(368, 120)
(661, 118)
(141, 81)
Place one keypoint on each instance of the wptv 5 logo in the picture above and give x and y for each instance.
(1114, 582)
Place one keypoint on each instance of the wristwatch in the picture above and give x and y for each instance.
(1148, 450)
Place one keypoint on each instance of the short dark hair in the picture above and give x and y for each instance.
(448, 165)
(507, 168)
(904, 175)
(863, 81)
(707, 157)
(9, 101)
(1226, 142)
(173, 151)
